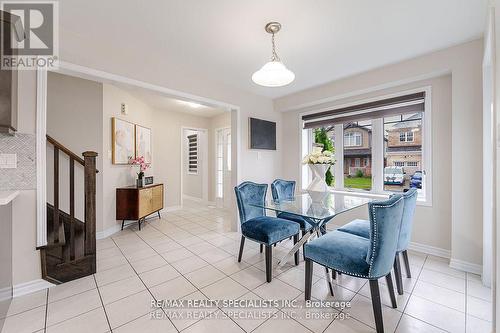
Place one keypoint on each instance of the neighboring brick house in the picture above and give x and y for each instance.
(404, 145)
(357, 149)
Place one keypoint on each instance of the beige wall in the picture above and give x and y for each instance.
(25, 259)
(454, 222)
(120, 175)
(74, 118)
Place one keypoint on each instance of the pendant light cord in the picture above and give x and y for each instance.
(275, 55)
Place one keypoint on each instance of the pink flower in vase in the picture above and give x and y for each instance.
(143, 166)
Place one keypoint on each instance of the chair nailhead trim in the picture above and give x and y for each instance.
(375, 233)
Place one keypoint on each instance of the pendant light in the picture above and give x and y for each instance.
(274, 73)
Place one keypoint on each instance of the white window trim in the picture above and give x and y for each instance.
(377, 150)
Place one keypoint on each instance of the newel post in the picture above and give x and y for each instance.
(90, 202)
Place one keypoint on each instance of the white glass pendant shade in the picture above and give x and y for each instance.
(273, 74)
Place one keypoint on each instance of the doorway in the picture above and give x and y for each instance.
(223, 167)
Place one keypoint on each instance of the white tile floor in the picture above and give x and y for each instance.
(187, 255)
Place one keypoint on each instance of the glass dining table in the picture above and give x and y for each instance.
(317, 209)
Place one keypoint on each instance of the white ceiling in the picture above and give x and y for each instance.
(224, 40)
(161, 102)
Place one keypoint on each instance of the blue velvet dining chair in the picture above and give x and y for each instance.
(255, 225)
(360, 257)
(362, 228)
(283, 190)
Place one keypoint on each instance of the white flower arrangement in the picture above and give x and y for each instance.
(317, 156)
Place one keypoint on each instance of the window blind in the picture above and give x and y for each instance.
(193, 153)
(411, 103)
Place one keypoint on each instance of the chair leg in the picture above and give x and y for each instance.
(261, 248)
(308, 279)
(304, 246)
(390, 286)
(407, 264)
(296, 255)
(269, 263)
(397, 273)
(377, 306)
(242, 244)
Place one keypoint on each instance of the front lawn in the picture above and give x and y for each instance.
(364, 183)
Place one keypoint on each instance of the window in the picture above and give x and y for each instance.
(357, 175)
(220, 165)
(352, 139)
(228, 146)
(406, 136)
(193, 154)
(406, 157)
(385, 146)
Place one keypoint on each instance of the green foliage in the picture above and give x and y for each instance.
(321, 137)
(359, 173)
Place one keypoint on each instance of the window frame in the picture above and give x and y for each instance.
(377, 159)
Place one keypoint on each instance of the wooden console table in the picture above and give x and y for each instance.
(136, 203)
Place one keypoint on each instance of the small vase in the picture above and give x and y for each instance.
(140, 182)
(318, 189)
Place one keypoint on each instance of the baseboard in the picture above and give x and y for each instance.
(185, 196)
(195, 199)
(172, 208)
(466, 266)
(114, 229)
(108, 232)
(30, 287)
(432, 250)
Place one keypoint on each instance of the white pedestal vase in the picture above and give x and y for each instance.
(318, 189)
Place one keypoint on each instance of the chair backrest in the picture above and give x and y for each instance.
(385, 224)
(248, 193)
(283, 189)
(410, 200)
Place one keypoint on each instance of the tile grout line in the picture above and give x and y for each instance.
(149, 291)
(189, 282)
(103, 308)
(466, 301)
(411, 294)
(46, 311)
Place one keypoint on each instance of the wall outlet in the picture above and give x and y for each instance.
(8, 161)
(124, 109)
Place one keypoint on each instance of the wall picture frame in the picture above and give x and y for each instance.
(123, 141)
(262, 134)
(143, 143)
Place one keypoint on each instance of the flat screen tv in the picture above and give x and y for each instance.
(262, 134)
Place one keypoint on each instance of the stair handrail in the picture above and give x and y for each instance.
(89, 164)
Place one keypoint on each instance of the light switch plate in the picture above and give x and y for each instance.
(8, 161)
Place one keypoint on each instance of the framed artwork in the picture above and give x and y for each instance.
(262, 134)
(122, 133)
(143, 143)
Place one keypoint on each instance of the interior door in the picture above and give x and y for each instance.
(223, 168)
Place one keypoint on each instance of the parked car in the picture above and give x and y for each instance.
(393, 175)
(416, 180)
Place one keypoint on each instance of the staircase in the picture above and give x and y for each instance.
(70, 252)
